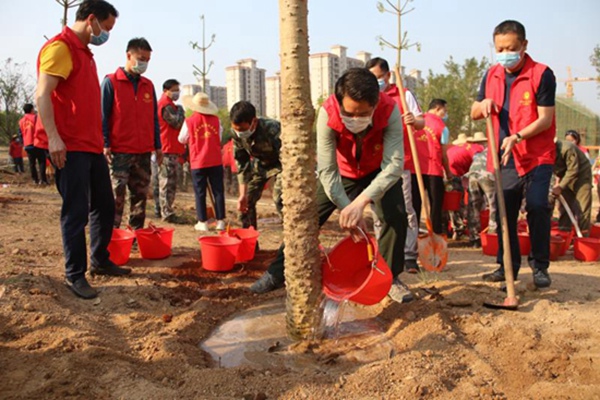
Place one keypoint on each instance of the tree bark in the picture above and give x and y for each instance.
(298, 156)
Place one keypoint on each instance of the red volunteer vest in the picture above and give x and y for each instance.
(204, 141)
(372, 145)
(76, 100)
(132, 118)
(40, 137)
(409, 165)
(434, 126)
(27, 126)
(15, 149)
(168, 134)
(540, 149)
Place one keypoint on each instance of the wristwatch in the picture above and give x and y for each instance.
(519, 137)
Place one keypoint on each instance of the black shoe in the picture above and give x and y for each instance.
(110, 269)
(496, 276)
(82, 288)
(475, 244)
(400, 293)
(411, 266)
(265, 284)
(541, 278)
(157, 214)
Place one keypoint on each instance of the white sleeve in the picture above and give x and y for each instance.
(411, 103)
(183, 134)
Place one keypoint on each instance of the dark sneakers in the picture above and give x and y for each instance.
(541, 278)
(82, 288)
(110, 269)
(496, 276)
(266, 283)
(411, 266)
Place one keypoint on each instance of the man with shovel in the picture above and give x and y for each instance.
(360, 155)
(518, 95)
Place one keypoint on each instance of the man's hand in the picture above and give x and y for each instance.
(507, 145)
(352, 215)
(242, 204)
(58, 151)
(487, 107)
(556, 191)
(108, 155)
(159, 157)
(408, 118)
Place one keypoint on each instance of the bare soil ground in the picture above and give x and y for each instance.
(141, 338)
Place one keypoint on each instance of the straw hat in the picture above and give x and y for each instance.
(200, 103)
(462, 139)
(478, 137)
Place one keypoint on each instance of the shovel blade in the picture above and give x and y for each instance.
(433, 252)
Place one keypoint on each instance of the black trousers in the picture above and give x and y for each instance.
(201, 177)
(390, 210)
(535, 186)
(37, 160)
(85, 187)
(434, 185)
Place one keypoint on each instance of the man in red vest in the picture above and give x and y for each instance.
(413, 116)
(68, 98)
(171, 118)
(131, 131)
(519, 93)
(432, 145)
(36, 155)
(360, 158)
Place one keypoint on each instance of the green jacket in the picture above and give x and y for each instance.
(571, 165)
(259, 154)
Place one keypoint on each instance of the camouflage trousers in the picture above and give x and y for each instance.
(130, 171)
(482, 191)
(457, 221)
(167, 181)
(254, 193)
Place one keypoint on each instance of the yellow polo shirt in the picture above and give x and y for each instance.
(56, 60)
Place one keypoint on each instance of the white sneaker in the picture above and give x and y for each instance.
(220, 225)
(201, 226)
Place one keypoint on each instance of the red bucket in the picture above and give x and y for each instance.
(595, 230)
(489, 243)
(566, 235)
(219, 252)
(349, 274)
(522, 226)
(249, 237)
(155, 243)
(484, 218)
(120, 246)
(452, 201)
(557, 243)
(587, 249)
(524, 243)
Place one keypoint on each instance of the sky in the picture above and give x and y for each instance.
(560, 33)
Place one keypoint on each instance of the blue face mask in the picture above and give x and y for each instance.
(101, 38)
(382, 84)
(508, 59)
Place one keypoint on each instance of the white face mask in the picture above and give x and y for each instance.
(244, 134)
(140, 67)
(175, 95)
(356, 124)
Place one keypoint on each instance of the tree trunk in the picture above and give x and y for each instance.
(300, 222)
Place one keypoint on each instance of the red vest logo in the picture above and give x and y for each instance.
(526, 100)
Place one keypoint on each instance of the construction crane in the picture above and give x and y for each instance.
(570, 80)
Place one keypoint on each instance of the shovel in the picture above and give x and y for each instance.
(433, 249)
(511, 302)
(571, 216)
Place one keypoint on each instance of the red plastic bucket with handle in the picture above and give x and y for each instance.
(452, 200)
(524, 243)
(557, 243)
(356, 271)
(587, 249)
(489, 243)
(219, 252)
(595, 230)
(155, 243)
(249, 237)
(566, 235)
(120, 245)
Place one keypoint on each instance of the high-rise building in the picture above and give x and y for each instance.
(246, 82)
(217, 94)
(326, 68)
(273, 85)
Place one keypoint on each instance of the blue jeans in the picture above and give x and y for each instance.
(85, 187)
(201, 178)
(535, 186)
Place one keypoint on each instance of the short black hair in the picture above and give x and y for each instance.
(242, 111)
(99, 8)
(169, 83)
(28, 108)
(378, 62)
(435, 103)
(510, 26)
(359, 84)
(138, 44)
(574, 134)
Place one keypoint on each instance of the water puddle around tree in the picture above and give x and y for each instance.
(257, 337)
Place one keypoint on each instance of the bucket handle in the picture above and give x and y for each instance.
(371, 254)
(152, 227)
